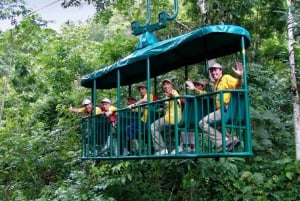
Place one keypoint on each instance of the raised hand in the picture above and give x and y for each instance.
(206, 81)
(190, 85)
(238, 70)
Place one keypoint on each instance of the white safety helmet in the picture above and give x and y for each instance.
(216, 65)
(105, 100)
(86, 102)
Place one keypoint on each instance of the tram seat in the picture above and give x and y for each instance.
(195, 108)
(188, 119)
(202, 105)
(235, 114)
(155, 110)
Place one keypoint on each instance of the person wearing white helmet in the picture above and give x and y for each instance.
(107, 109)
(86, 109)
(222, 82)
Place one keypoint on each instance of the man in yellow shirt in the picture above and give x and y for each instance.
(173, 110)
(86, 109)
(222, 82)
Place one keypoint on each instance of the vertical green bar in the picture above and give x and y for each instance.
(223, 126)
(93, 117)
(83, 136)
(118, 106)
(175, 125)
(148, 106)
(185, 78)
(248, 137)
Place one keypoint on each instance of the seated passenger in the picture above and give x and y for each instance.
(133, 127)
(86, 109)
(168, 120)
(131, 100)
(188, 138)
(198, 87)
(222, 82)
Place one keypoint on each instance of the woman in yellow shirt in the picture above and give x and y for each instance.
(173, 110)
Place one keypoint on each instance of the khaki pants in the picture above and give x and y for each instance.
(156, 127)
(214, 134)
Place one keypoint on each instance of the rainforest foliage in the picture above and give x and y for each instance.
(40, 72)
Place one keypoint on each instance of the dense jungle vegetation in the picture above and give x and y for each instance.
(40, 72)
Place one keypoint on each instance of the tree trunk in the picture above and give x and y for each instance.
(296, 107)
(3, 99)
(6, 78)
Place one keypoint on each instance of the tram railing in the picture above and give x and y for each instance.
(103, 140)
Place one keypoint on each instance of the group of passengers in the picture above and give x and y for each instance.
(173, 112)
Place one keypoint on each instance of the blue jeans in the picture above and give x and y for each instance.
(132, 128)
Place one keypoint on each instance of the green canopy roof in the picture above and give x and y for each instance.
(196, 46)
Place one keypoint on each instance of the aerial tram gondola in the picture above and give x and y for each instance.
(154, 58)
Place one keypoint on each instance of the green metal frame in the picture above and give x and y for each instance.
(146, 63)
(163, 17)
